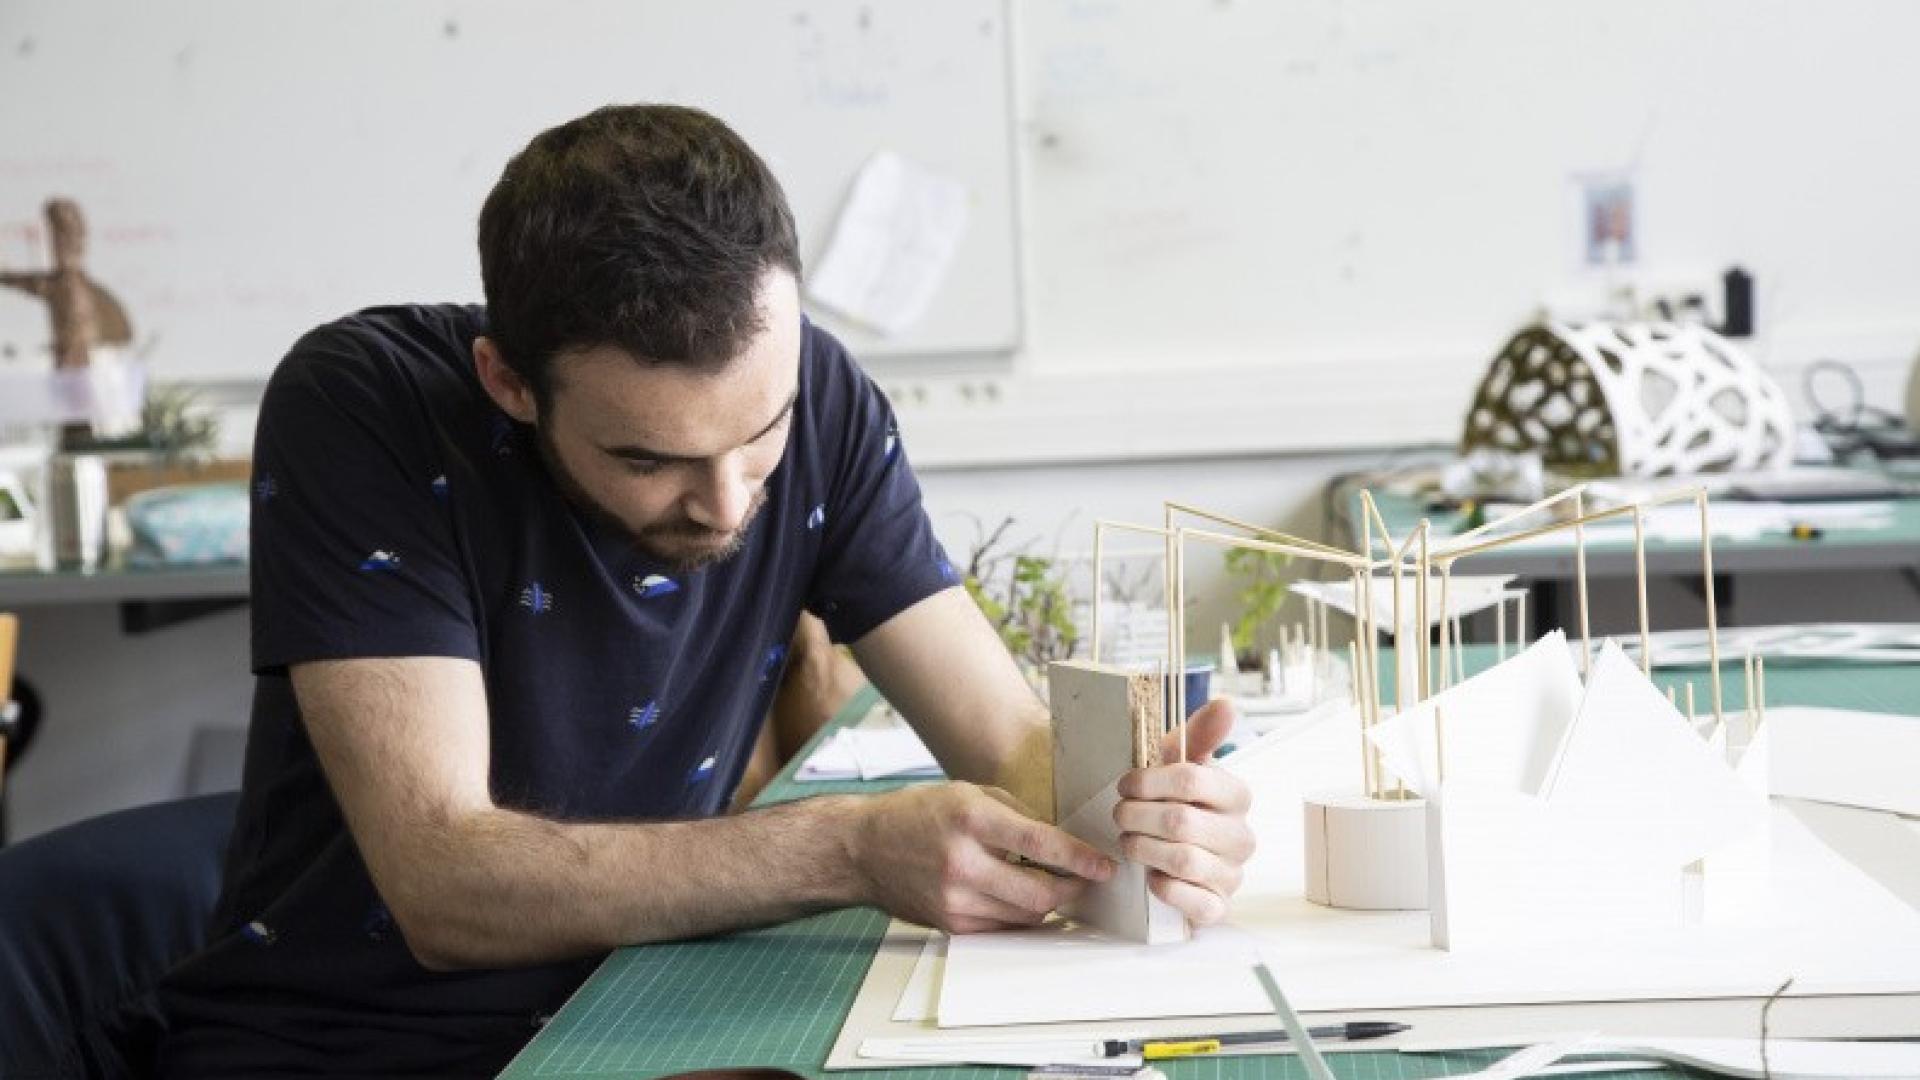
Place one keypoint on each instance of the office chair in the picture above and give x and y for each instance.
(9, 710)
(91, 915)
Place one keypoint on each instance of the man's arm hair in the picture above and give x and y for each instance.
(941, 664)
(404, 744)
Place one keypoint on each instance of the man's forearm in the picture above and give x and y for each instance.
(946, 670)
(498, 888)
(1027, 772)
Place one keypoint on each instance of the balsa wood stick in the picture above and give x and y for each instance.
(1640, 589)
(1520, 514)
(1373, 513)
(1713, 614)
(1452, 552)
(1180, 637)
(1173, 605)
(1222, 540)
(1099, 552)
(1420, 612)
(1325, 646)
(1363, 585)
(1500, 628)
(1580, 578)
(1749, 690)
(1257, 531)
(1400, 642)
(1166, 700)
(1353, 669)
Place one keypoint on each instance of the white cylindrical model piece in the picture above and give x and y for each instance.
(1366, 854)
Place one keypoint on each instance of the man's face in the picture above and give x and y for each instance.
(675, 458)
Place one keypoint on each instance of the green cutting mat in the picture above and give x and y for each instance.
(778, 996)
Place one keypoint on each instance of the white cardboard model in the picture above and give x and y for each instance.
(1634, 798)
(1106, 721)
(1366, 854)
(1817, 915)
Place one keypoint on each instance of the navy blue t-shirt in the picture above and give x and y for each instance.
(398, 512)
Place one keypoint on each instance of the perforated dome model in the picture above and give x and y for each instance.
(1631, 399)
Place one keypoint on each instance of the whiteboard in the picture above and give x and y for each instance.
(252, 169)
(1291, 226)
(1284, 181)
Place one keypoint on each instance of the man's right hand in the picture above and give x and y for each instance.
(940, 855)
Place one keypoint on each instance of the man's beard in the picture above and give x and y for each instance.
(682, 546)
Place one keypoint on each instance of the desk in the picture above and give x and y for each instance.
(778, 996)
(1842, 571)
(219, 581)
(149, 598)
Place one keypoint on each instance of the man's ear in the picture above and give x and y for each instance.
(503, 384)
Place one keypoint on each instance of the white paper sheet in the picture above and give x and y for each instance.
(1784, 1059)
(1466, 594)
(892, 244)
(1063, 971)
(1031, 1051)
(1842, 756)
(1867, 643)
(1680, 523)
(857, 753)
(920, 1000)
(1529, 1061)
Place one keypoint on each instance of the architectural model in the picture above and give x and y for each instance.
(1631, 399)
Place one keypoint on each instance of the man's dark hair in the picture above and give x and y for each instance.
(645, 227)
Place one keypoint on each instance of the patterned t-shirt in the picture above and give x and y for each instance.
(398, 512)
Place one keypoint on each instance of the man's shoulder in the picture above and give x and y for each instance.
(833, 382)
(416, 342)
(821, 354)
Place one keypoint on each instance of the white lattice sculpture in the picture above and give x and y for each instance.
(1631, 399)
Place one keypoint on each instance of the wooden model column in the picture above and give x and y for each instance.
(1107, 721)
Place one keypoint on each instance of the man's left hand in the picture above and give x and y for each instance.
(1186, 821)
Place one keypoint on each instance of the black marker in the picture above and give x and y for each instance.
(1353, 1032)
